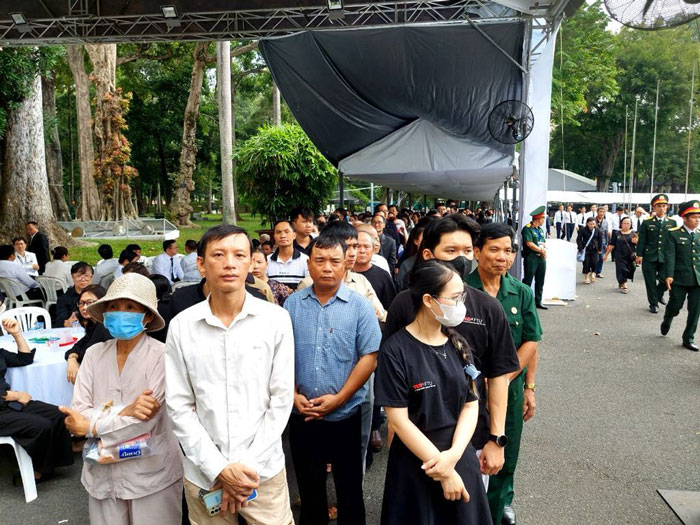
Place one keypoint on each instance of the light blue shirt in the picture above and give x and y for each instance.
(329, 340)
(168, 267)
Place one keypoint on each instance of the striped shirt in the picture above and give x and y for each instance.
(288, 272)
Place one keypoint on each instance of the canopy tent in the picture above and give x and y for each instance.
(405, 107)
(565, 180)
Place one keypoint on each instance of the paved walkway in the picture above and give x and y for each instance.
(618, 416)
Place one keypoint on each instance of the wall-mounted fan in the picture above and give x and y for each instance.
(652, 15)
(511, 122)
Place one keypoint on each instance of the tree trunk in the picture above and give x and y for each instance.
(109, 141)
(90, 204)
(276, 106)
(181, 206)
(223, 68)
(54, 159)
(610, 151)
(25, 192)
(233, 149)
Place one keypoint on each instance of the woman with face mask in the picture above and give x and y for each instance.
(118, 397)
(425, 381)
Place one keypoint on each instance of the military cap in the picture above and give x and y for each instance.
(537, 212)
(661, 198)
(689, 207)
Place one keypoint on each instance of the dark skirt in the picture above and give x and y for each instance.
(411, 497)
(40, 430)
(624, 269)
(590, 262)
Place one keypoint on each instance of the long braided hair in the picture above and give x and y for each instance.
(430, 277)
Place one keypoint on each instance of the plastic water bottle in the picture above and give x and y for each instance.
(38, 325)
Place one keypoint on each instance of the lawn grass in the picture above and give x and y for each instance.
(151, 248)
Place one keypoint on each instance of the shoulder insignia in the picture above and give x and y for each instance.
(649, 218)
(674, 229)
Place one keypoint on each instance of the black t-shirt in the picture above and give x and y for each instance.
(428, 380)
(486, 329)
(382, 284)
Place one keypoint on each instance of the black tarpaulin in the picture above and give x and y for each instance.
(349, 89)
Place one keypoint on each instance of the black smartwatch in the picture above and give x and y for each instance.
(501, 440)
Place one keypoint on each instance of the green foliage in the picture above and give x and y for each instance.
(279, 169)
(19, 67)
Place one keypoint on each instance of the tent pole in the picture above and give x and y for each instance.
(690, 131)
(653, 148)
(341, 191)
(634, 145)
(624, 166)
(371, 195)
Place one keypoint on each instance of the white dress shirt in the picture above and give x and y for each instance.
(22, 282)
(569, 217)
(189, 267)
(104, 269)
(230, 390)
(379, 260)
(27, 261)
(559, 216)
(61, 270)
(581, 219)
(168, 267)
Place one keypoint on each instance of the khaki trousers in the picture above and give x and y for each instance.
(271, 507)
(162, 508)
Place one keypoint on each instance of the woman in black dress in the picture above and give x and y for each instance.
(624, 242)
(592, 249)
(423, 382)
(38, 427)
(94, 332)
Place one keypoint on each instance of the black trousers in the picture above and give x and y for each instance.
(560, 230)
(39, 428)
(569, 230)
(317, 443)
(35, 293)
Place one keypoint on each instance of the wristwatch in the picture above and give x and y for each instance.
(501, 440)
(529, 386)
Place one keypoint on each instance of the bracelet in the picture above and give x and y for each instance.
(529, 386)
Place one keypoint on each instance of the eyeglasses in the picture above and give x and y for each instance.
(81, 304)
(82, 276)
(454, 300)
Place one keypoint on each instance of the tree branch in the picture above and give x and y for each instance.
(141, 53)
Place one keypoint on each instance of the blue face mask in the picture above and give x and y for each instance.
(124, 325)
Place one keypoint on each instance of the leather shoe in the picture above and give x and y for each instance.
(508, 515)
(375, 441)
(541, 307)
(654, 309)
(665, 326)
(662, 301)
(691, 346)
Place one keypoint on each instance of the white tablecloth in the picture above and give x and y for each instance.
(45, 379)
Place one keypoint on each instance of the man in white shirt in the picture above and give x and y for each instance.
(581, 218)
(287, 264)
(166, 263)
(230, 399)
(189, 262)
(27, 260)
(569, 222)
(22, 283)
(559, 221)
(638, 218)
(104, 271)
(614, 223)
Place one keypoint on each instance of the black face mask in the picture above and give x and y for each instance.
(462, 265)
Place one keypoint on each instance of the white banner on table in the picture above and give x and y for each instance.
(560, 279)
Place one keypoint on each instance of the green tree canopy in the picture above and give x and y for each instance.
(279, 169)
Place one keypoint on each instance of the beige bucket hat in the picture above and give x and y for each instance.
(132, 286)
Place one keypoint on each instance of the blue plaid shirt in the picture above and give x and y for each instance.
(329, 341)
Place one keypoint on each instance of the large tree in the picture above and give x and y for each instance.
(54, 156)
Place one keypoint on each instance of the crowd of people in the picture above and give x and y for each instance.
(317, 332)
(337, 326)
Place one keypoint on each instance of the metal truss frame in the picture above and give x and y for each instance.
(83, 26)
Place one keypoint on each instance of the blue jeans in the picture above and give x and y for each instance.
(599, 266)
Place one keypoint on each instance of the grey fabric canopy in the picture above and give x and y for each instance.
(405, 107)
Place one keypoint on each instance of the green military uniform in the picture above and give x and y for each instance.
(518, 302)
(649, 246)
(682, 263)
(535, 265)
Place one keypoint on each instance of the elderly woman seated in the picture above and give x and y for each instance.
(36, 426)
(133, 466)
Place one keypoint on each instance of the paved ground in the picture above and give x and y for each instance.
(618, 416)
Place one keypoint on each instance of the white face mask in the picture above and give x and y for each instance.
(452, 315)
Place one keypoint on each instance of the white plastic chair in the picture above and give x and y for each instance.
(26, 317)
(49, 287)
(182, 284)
(8, 287)
(26, 468)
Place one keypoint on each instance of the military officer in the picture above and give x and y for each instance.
(494, 251)
(682, 272)
(649, 250)
(534, 254)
